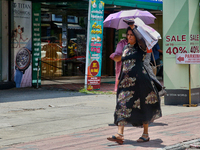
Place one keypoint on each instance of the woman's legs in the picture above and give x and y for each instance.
(145, 134)
(120, 132)
(145, 126)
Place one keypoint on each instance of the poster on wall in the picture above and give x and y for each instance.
(94, 44)
(22, 43)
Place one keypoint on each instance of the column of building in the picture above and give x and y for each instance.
(180, 35)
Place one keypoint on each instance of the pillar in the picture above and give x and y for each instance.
(180, 35)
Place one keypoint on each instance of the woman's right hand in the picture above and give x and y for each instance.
(132, 26)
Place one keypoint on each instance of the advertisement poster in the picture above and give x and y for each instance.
(95, 44)
(22, 43)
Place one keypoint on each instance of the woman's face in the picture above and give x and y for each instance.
(131, 37)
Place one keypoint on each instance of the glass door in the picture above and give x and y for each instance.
(63, 40)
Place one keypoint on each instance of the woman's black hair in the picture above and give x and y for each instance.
(129, 28)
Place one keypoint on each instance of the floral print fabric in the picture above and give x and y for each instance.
(138, 100)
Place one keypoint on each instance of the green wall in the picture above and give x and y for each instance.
(180, 22)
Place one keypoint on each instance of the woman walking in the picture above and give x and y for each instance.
(138, 99)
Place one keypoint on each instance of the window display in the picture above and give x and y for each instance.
(63, 46)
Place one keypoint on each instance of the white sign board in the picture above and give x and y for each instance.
(187, 58)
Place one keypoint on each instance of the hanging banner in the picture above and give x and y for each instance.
(94, 44)
(21, 43)
(36, 53)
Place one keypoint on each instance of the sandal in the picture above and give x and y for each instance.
(143, 139)
(115, 139)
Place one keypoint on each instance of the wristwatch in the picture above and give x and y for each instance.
(23, 57)
(22, 62)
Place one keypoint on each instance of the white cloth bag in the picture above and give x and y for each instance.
(151, 36)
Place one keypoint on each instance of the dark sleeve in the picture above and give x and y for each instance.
(140, 40)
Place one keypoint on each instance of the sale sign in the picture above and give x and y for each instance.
(94, 44)
(194, 43)
(176, 44)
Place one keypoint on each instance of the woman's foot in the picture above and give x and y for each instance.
(119, 138)
(144, 138)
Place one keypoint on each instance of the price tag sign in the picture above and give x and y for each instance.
(176, 44)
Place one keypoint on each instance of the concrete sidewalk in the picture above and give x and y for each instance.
(166, 131)
(53, 118)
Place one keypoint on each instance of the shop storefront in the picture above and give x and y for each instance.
(53, 35)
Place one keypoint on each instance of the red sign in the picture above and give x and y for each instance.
(94, 68)
(93, 83)
(187, 58)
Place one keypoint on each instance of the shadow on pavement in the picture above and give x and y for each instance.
(152, 143)
(158, 124)
(151, 125)
(27, 94)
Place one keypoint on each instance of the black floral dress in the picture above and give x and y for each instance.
(138, 99)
